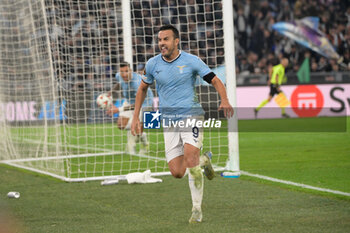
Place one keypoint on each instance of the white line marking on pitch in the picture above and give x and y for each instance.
(295, 184)
(247, 174)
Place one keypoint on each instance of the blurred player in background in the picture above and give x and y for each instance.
(276, 79)
(129, 82)
(175, 72)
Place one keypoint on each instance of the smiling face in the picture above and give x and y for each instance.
(168, 44)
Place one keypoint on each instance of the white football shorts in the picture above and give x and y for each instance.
(130, 113)
(176, 138)
(127, 114)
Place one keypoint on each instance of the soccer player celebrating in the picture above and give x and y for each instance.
(175, 72)
(129, 82)
(276, 78)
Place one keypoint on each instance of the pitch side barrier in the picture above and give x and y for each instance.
(305, 100)
(245, 79)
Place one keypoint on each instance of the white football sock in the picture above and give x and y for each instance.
(195, 181)
(131, 142)
(144, 139)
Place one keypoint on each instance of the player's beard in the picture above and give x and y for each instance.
(168, 53)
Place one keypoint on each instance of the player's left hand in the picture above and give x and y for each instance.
(227, 108)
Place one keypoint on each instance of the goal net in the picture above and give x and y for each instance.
(58, 56)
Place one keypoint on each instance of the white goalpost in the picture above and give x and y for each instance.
(57, 56)
(232, 164)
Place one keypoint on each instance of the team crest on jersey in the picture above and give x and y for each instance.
(181, 68)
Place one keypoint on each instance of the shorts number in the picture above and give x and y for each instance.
(195, 132)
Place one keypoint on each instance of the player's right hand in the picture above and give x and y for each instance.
(136, 127)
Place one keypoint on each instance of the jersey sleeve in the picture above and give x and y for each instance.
(148, 102)
(148, 77)
(200, 67)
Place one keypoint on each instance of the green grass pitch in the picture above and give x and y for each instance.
(318, 158)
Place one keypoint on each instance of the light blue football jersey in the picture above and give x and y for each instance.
(175, 83)
(129, 89)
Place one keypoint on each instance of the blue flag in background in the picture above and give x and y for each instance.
(306, 33)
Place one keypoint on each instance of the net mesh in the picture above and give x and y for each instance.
(27, 86)
(58, 56)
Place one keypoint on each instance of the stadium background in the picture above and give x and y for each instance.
(244, 205)
(82, 78)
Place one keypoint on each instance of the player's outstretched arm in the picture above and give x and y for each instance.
(125, 107)
(140, 97)
(225, 104)
(112, 110)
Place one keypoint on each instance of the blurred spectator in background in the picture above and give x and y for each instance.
(242, 26)
(93, 29)
(314, 67)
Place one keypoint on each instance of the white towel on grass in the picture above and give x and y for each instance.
(142, 178)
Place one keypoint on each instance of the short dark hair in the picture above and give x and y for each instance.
(123, 64)
(172, 28)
